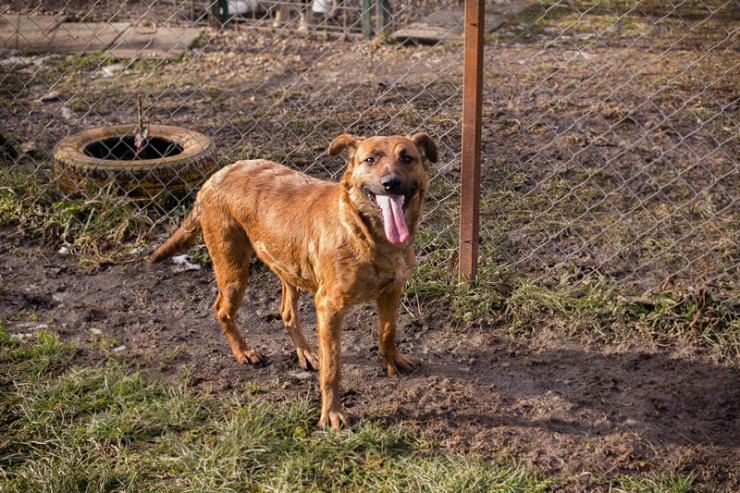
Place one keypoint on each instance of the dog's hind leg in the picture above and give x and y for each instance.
(388, 303)
(289, 311)
(230, 252)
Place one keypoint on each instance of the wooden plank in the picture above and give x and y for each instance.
(448, 25)
(426, 34)
(28, 33)
(48, 34)
(471, 139)
(156, 42)
(85, 37)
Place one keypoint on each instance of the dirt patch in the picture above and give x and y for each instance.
(573, 410)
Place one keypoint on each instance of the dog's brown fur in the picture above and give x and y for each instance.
(322, 237)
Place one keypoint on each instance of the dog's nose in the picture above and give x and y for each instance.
(391, 182)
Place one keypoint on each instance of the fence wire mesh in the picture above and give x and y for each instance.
(610, 132)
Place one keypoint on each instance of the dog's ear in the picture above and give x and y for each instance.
(344, 142)
(426, 145)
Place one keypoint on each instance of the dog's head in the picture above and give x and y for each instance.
(387, 179)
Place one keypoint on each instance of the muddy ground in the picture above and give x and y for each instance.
(574, 410)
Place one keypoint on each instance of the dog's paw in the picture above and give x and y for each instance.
(335, 419)
(307, 359)
(399, 363)
(250, 356)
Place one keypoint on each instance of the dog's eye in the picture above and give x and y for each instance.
(406, 159)
(369, 160)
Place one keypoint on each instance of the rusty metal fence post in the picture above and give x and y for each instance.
(471, 138)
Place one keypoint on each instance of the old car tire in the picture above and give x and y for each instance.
(104, 157)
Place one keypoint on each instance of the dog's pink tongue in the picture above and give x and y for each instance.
(393, 220)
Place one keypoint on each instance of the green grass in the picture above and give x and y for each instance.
(595, 308)
(65, 429)
(96, 228)
(656, 484)
(592, 308)
(694, 315)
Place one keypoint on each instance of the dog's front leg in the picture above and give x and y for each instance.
(329, 318)
(388, 302)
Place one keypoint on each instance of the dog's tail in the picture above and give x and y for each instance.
(181, 240)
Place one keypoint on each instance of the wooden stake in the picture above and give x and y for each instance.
(471, 138)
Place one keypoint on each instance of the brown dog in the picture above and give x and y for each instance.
(345, 242)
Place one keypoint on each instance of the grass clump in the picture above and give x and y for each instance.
(93, 227)
(586, 307)
(594, 307)
(657, 484)
(31, 363)
(693, 315)
(70, 429)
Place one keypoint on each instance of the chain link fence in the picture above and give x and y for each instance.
(610, 131)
